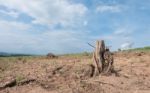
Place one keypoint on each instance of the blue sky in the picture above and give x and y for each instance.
(65, 26)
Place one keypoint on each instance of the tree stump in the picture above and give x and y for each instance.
(103, 58)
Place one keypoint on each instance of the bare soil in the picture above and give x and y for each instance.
(75, 75)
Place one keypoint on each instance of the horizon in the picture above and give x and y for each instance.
(65, 26)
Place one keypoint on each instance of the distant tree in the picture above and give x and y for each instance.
(51, 55)
(119, 49)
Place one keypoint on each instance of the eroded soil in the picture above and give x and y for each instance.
(75, 75)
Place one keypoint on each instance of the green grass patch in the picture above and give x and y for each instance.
(78, 55)
(19, 78)
(143, 49)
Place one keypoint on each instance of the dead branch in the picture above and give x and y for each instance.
(90, 45)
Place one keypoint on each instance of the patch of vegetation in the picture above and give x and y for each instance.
(4, 64)
(1, 75)
(79, 54)
(19, 78)
(144, 49)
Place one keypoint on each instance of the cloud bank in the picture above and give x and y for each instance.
(65, 26)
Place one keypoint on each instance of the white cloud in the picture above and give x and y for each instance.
(10, 13)
(127, 45)
(49, 12)
(108, 8)
(64, 41)
(125, 30)
(13, 37)
(13, 26)
(20, 38)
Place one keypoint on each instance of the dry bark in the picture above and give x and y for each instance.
(103, 58)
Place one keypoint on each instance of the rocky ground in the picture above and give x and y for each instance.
(75, 75)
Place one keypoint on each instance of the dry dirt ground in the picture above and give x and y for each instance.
(75, 75)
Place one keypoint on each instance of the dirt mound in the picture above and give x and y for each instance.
(79, 71)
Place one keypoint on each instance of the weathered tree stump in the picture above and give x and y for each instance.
(103, 58)
(98, 56)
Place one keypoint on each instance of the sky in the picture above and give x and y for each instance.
(66, 26)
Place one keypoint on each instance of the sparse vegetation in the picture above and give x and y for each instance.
(19, 78)
(79, 55)
(144, 49)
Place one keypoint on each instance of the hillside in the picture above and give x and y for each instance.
(4, 54)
